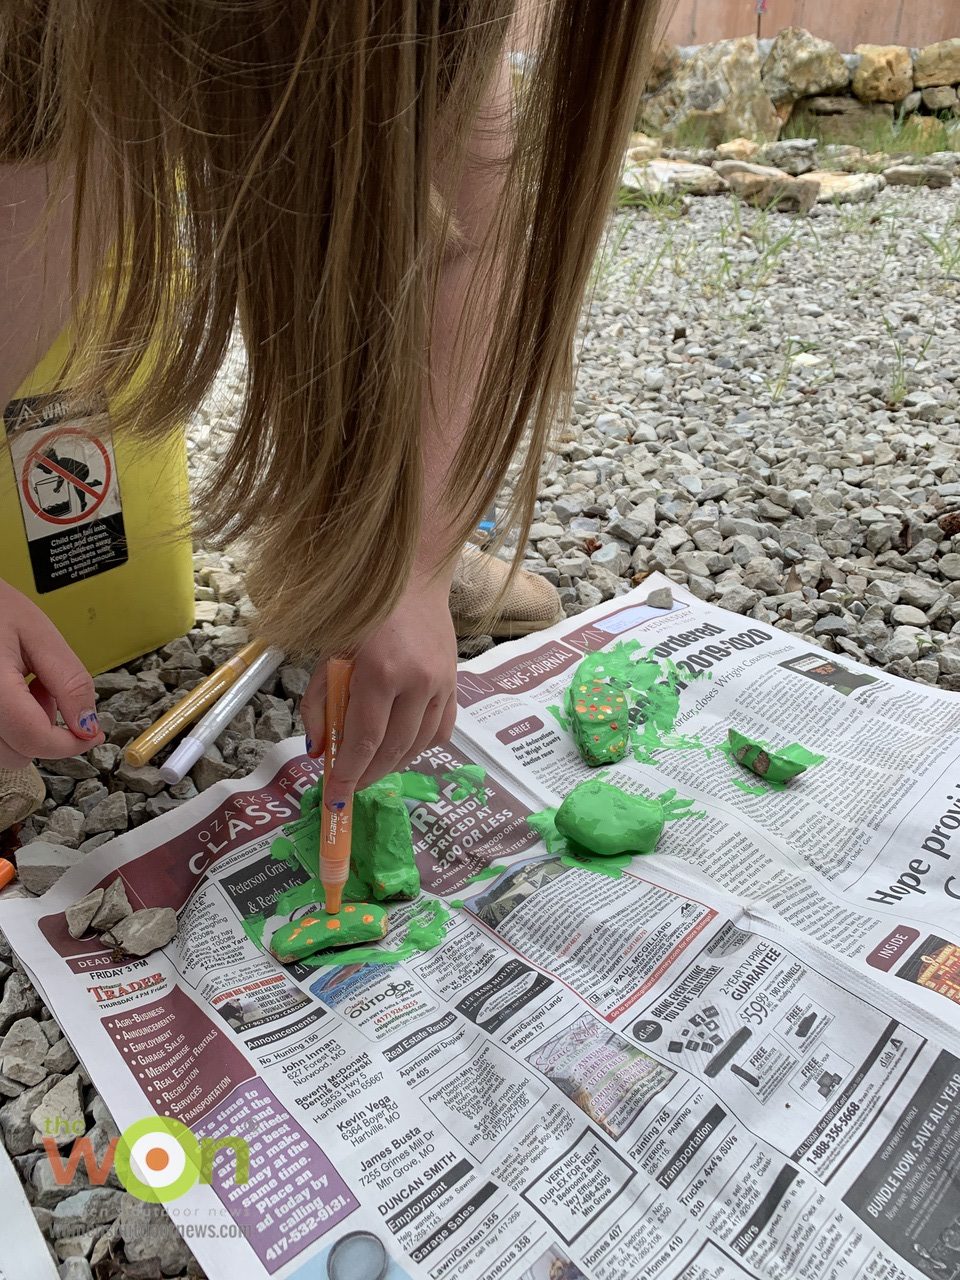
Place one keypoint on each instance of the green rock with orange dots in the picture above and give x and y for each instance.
(317, 931)
(598, 714)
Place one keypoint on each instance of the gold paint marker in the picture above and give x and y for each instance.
(204, 695)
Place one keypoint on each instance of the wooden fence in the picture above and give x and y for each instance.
(847, 22)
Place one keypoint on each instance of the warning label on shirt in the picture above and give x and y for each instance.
(69, 492)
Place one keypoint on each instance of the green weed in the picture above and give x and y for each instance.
(913, 135)
(946, 247)
(903, 367)
(610, 247)
(664, 206)
(692, 135)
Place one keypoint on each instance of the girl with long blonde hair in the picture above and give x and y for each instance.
(404, 236)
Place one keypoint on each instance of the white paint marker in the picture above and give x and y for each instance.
(188, 752)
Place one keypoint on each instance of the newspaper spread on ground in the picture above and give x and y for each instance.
(739, 1058)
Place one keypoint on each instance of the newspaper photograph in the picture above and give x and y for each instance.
(736, 1056)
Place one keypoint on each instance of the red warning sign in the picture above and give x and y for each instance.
(66, 477)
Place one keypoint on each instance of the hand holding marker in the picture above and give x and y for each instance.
(335, 825)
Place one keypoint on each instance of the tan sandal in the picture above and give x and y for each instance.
(531, 603)
(21, 793)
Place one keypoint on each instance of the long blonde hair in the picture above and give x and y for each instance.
(278, 160)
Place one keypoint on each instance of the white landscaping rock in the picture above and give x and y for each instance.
(660, 598)
(728, 167)
(937, 64)
(800, 65)
(144, 931)
(917, 175)
(718, 90)
(673, 178)
(75, 1268)
(80, 915)
(66, 826)
(110, 814)
(845, 188)
(114, 907)
(147, 1232)
(59, 1114)
(41, 864)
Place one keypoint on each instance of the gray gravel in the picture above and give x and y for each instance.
(767, 410)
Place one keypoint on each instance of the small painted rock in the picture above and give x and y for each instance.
(774, 766)
(355, 922)
(599, 720)
(608, 821)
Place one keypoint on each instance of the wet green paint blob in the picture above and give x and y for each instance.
(355, 922)
(611, 867)
(253, 927)
(457, 902)
(419, 937)
(297, 896)
(544, 824)
(488, 873)
(417, 786)
(468, 779)
(560, 717)
(429, 932)
(800, 755)
(382, 864)
(382, 850)
(749, 789)
(675, 808)
(284, 850)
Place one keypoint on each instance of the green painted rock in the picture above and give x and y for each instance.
(774, 766)
(382, 865)
(382, 857)
(597, 711)
(318, 931)
(608, 822)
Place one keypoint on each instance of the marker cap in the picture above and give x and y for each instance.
(181, 760)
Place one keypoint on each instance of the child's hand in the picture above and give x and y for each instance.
(30, 643)
(403, 694)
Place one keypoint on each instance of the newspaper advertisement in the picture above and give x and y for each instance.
(737, 1056)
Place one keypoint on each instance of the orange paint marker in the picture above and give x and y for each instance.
(7, 872)
(335, 827)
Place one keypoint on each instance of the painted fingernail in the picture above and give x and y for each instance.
(89, 724)
(309, 742)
